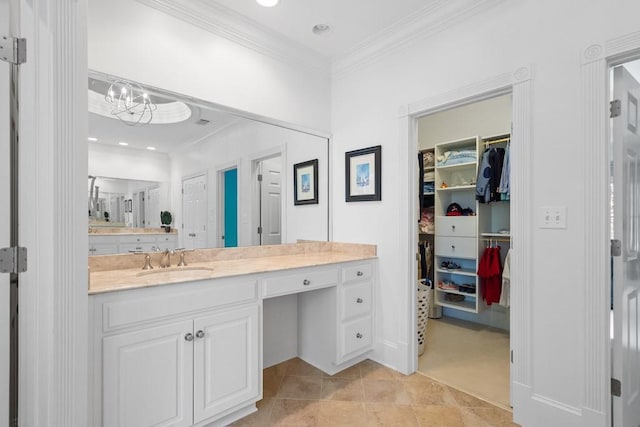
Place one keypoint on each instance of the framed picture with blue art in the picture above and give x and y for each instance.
(363, 180)
(305, 183)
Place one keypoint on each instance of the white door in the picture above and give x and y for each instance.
(153, 208)
(4, 224)
(271, 201)
(226, 361)
(148, 377)
(626, 268)
(194, 212)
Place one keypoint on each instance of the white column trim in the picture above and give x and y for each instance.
(53, 221)
(596, 59)
(519, 82)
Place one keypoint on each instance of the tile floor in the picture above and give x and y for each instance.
(367, 394)
(469, 357)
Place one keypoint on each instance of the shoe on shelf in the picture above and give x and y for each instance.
(447, 286)
(450, 265)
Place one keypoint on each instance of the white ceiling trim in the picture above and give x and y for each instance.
(436, 17)
(239, 29)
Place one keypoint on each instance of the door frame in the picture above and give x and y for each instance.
(180, 218)
(219, 200)
(254, 159)
(519, 83)
(597, 60)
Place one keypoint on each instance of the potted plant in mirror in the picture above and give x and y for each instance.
(166, 219)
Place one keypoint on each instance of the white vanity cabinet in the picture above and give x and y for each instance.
(176, 355)
(123, 243)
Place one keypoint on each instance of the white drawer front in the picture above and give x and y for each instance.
(145, 247)
(456, 247)
(169, 238)
(461, 226)
(138, 238)
(130, 309)
(355, 337)
(113, 240)
(355, 300)
(299, 282)
(356, 272)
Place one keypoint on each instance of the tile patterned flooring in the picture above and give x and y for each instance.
(367, 394)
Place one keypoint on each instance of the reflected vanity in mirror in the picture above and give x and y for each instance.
(225, 178)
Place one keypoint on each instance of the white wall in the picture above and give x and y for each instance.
(150, 47)
(484, 118)
(549, 35)
(241, 144)
(118, 162)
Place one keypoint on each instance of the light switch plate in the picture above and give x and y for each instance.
(553, 216)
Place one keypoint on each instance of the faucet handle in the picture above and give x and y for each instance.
(182, 263)
(147, 262)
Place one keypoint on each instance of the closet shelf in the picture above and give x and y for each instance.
(457, 166)
(430, 193)
(506, 235)
(465, 305)
(458, 271)
(457, 188)
(450, 291)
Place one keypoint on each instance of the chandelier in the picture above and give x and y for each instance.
(130, 103)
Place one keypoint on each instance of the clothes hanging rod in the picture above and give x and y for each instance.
(497, 239)
(496, 141)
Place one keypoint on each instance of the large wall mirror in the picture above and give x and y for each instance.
(226, 179)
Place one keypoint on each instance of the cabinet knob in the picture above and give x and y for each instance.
(306, 282)
(189, 337)
(359, 300)
(200, 334)
(453, 247)
(453, 227)
(359, 273)
(359, 335)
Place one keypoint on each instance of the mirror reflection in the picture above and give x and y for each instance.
(168, 171)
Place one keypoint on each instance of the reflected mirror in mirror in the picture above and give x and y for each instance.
(226, 179)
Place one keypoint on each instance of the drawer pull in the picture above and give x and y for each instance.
(200, 334)
(189, 337)
(359, 300)
(138, 248)
(306, 282)
(359, 335)
(359, 273)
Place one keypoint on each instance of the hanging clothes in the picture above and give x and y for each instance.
(489, 272)
(505, 294)
(489, 175)
(505, 188)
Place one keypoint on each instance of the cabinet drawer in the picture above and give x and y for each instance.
(355, 300)
(355, 337)
(461, 226)
(456, 247)
(169, 238)
(138, 238)
(299, 282)
(103, 249)
(145, 247)
(138, 307)
(356, 272)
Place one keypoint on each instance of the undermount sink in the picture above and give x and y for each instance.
(176, 271)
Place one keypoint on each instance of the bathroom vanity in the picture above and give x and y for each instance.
(186, 346)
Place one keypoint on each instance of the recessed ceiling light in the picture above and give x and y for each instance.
(267, 3)
(151, 148)
(124, 144)
(92, 139)
(321, 29)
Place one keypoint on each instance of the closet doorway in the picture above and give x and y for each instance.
(464, 240)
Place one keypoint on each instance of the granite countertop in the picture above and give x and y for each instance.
(112, 273)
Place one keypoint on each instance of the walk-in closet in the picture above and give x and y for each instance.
(463, 246)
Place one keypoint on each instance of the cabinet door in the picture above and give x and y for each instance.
(148, 377)
(226, 362)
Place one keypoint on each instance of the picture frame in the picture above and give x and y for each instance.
(305, 183)
(363, 180)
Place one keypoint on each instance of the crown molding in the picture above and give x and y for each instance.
(438, 16)
(239, 29)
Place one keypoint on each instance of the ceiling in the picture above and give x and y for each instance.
(353, 21)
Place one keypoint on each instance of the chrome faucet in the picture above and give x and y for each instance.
(147, 262)
(165, 261)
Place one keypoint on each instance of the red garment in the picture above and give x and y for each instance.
(489, 272)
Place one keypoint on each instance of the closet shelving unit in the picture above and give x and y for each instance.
(428, 201)
(456, 240)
